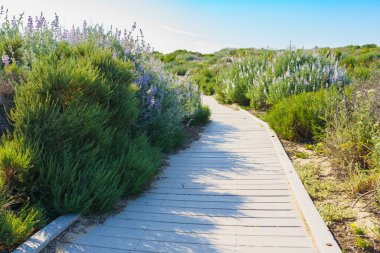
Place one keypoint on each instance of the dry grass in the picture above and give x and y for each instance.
(356, 226)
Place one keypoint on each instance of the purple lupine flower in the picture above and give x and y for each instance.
(30, 23)
(5, 59)
(196, 88)
(143, 80)
(65, 35)
(148, 99)
(40, 22)
(154, 89)
(55, 22)
(14, 22)
(157, 104)
(127, 50)
(139, 68)
(84, 25)
(118, 34)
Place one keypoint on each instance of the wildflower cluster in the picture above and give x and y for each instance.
(158, 93)
(265, 80)
(90, 115)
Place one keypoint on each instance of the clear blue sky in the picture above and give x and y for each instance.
(209, 25)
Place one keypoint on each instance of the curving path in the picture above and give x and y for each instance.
(234, 190)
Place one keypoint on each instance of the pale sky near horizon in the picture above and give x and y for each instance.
(210, 25)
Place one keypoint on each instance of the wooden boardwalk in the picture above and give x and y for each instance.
(228, 192)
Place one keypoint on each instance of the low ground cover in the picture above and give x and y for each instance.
(352, 218)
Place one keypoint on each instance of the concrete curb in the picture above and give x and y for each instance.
(39, 240)
(322, 236)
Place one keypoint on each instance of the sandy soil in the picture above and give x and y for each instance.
(365, 212)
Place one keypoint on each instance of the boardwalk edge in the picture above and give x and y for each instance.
(321, 234)
(43, 237)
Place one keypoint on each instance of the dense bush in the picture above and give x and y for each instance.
(202, 116)
(206, 79)
(75, 115)
(92, 113)
(299, 117)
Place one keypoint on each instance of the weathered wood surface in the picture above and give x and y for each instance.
(228, 192)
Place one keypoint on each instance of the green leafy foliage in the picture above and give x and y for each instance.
(75, 115)
(85, 118)
(300, 117)
(201, 116)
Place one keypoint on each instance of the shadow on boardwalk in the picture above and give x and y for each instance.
(226, 193)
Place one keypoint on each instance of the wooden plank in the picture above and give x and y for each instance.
(246, 160)
(249, 192)
(148, 246)
(208, 239)
(234, 231)
(225, 186)
(233, 213)
(211, 199)
(221, 182)
(195, 225)
(232, 163)
(225, 155)
(207, 220)
(253, 171)
(207, 229)
(220, 175)
(214, 204)
(234, 168)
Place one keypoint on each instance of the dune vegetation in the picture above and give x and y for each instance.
(86, 117)
(325, 101)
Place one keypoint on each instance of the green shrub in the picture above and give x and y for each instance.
(362, 73)
(206, 79)
(300, 117)
(15, 226)
(180, 70)
(201, 116)
(75, 116)
(358, 230)
(364, 244)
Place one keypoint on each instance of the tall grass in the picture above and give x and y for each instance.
(352, 133)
